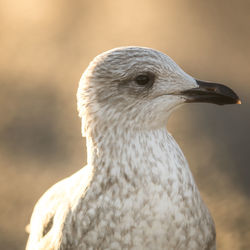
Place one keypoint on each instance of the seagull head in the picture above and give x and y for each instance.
(138, 88)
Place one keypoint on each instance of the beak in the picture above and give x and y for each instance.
(211, 93)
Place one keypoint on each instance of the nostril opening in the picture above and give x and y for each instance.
(211, 89)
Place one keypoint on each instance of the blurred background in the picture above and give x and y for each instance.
(44, 48)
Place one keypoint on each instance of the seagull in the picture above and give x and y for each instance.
(136, 191)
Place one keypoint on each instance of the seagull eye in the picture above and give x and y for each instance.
(142, 79)
(145, 79)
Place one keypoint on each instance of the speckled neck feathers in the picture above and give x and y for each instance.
(142, 196)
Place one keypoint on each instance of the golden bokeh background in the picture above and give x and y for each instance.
(46, 45)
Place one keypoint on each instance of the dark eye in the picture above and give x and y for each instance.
(145, 79)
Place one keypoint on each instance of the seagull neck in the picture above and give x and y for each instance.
(138, 151)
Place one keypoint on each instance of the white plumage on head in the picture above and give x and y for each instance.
(108, 88)
(137, 191)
